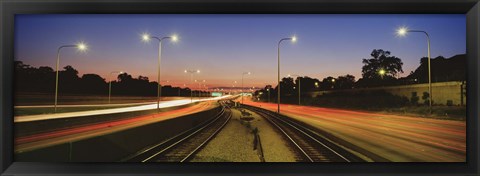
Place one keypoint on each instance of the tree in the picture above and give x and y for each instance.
(327, 83)
(345, 82)
(93, 83)
(70, 72)
(382, 65)
(442, 69)
(124, 77)
(143, 78)
(287, 85)
(307, 83)
(68, 80)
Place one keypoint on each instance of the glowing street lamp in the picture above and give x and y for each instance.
(146, 38)
(110, 84)
(333, 82)
(244, 73)
(403, 31)
(81, 47)
(293, 39)
(268, 90)
(299, 83)
(382, 72)
(191, 77)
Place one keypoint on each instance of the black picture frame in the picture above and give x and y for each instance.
(8, 9)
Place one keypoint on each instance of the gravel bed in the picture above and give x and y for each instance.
(235, 142)
(275, 148)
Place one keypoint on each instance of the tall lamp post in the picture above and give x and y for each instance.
(179, 89)
(110, 84)
(203, 89)
(146, 38)
(403, 32)
(191, 77)
(243, 74)
(233, 87)
(268, 90)
(81, 47)
(199, 87)
(293, 39)
(299, 84)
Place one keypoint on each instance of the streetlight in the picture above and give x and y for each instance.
(110, 84)
(234, 90)
(206, 90)
(199, 87)
(179, 89)
(299, 83)
(80, 46)
(203, 90)
(244, 73)
(146, 38)
(333, 83)
(293, 39)
(191, 77)
(268, 90)
(382, 72)
(402, 31)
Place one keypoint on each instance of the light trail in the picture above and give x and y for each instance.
(83, 105)
(393, 137)
(41, 140)
(163, 104)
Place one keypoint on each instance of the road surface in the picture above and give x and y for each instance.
(382, 137)
(163, 104)
(32, 142)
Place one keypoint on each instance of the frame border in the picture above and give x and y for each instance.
(9, 8)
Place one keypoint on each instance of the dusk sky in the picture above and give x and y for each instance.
(224, 46)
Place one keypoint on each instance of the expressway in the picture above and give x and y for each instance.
(141, 107)
(383, 137)
(83, 105)
(35, 141)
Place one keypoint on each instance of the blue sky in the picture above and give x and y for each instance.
(224, 46)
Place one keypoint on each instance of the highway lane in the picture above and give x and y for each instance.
(386, 137)
(85, 105)
(163, 104)
(78, 133)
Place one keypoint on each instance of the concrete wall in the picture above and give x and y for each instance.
(441, 92)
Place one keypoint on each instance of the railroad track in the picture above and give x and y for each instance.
(310, 145)
(182, 147)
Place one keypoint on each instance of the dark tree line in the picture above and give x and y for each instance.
(381, 69)
(42, 80)
(289, 87)
(443, 69)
